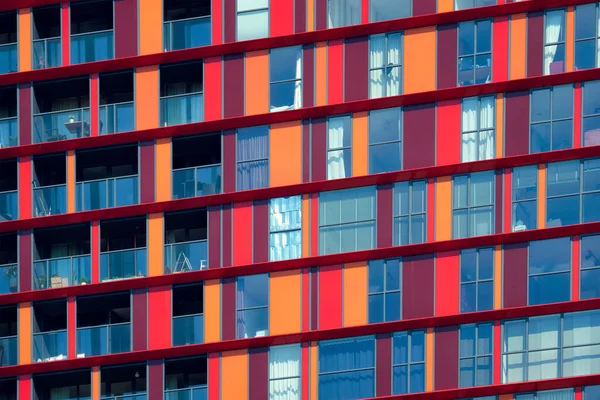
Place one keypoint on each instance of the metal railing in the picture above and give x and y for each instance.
(186, 256)
(181, 109)
(9, 353)
(188, 329)
(196, 181)
(107, 193)
(141, 396)
(104, 339)
(197, 393)
(123, 264)
(47, 53)
(9, 132)
(9, 278)
(187, 33)
(49, 200)
(8, 58)
(61, 272)
(61, 125)
(50, 346)
(9, 206)
(117, 117)
(93, 46)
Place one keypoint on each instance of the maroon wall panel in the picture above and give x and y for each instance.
(308, 75)
(321, 12)
(319, 149)
(25, 265)
(139, 306)
(155, 379)
(422, 7)
(229, 161)
(25, 114)
(226, 237)
(305, 151)
(447, 56)
(535, 43)
(259, 373)
(383, 379)
(261, 230)
(498, 206)
(515, 275)
(214, 237)
(446, 358)
(300, 16)
(356, 69)
(419, 136)
(418, 286)
(385, 204)
(228, 316)
(233, 85)
(126, 29)
(147, 172)
(314, 298)
(516, 139)
(229, 16)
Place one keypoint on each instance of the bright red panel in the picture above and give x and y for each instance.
(159, 317)
(25, 187)
(65, 34)
(214, 381)
(71, 327)
(577, 116)
(305, 371)
(217, 22)
(448, 132)
(575, 268)
(330, 297)
(282, 17)
(95, 249)
(447, 279)
(242, 233)
(305, 300)
(212, 88)
(335, 73)
(25, 386)
(94, 102)
(500, 49)
(497, 351)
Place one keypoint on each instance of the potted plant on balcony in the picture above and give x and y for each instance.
(84, 280)
(71, 118)
(10, 273)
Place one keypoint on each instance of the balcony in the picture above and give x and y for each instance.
(107, 193)
(193, 182)
(117, 110)
(8, 42)
(8, 336)
(186, 241)
(47, 53)
(181, 109)
(61, 272)
(196, 166)
(8, 388)
(62, 125)
(181, 96)
(190, 256)
(49, 330)
(46, 37)
(186, 378)
(187, 24)
(50, 200)
(49, 185)
(90, 47)
(199, 393)
(92, 37)
(123, 264)
(8, 190)
(123, 251)
(123, 382)
(9, 206)
(9, 278)
(50, 346)
(98, 340)
(9, 258)
(188, 329)
(116, 118)
(188, 314)
(9, 125)
(64, 385)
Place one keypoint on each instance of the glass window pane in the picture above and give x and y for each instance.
(375, 308)
(468, 265)
(466, 38)
(418, 197)
(285, 63)
(385, 125)
(400, 348)
(514, 336)
(400, 380)
(551, 255)
(376, 276)
(585, 21)
(540, 138)
(591, 131)
(467, 341)
(377, 51)
(555, 26)
(542, 365)
(253, 323)
(467, 372)
(339, 132)
(562, 102)
(562, 135)
(543, 332)
(585, 52)
(484, 371)
(468, 297)
(417, 227)
(583, 360)
(252, 25)
(590, 284)
(563, 178)
(417, 346)
(345, 354)
(590, 251)
(591, 175)
(339, 164)
(459, 224)
(459, 192)
(417, 378)
(347, 385)
(285, 96)
(540, 105)
(392, 276)
(483, 68)
(484, 339)
(486, 263)
(382, 10)
(252, 143)
(484, 36)
(385, 158)
(252, 291)
(365, 203)
(481, 221)
(591, 98)
(525, 183)
(401, 231)
(247, 5)
(401, 203)
(482, 189)
(591, 211)
(524, 215)
(562, 211)
(392, 306)
(485, 296)
(513, 368)
(581, 328)
(343, 13)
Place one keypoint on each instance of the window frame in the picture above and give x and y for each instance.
(383, 143)
(516, 203)
(386, 66)
(469, 207)
(254, 160)
(327, 15)
(285, 230)
(299, 377)
(592, 116)
(343, 148)
(301, 79)
(477, 280)
(551, 121)
(596, 38)
(524, 395)
(583, 268)
(475, 53)
(409, 364)
(559, 43)
(477, 5)
(245, 12)
(371, 13)
(569, 272)
(267, 307)
(385, 290)
(476, 356)
(411, 214)
(478, 130)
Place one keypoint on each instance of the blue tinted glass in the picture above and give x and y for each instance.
(468, 265)
(550, 288)
(554, 17)
(485, 296)
(525, 183)
(376, 273)
(467, 341)
(346, 354)
(466, 38)
(465, 71)
(591, 392)
(467, 372)
(253, 323)
(591, 175)
(483, 68)
(525, 215)
(591, 210)
(551, 255)
(540, 138)
(585, 22)
(417, 346)
(591, 131)
(284, 63)
(417, 227)
(484, 371)
(484, 339)
(468, 297)
(400, 380)
(562, 211)
(540, 105)
(590, 283)
(562, 102)
(590, 251)
(347, 386)
(591, 98)
(392, 306)
(562, 135)
(484, 36)
(190, 33)
(417, 378)
(400, 348)
(252, 291)
(252, 143)
(563, 178)
(283, 96)
(385, 125)
(375, 308)
(486, 263)
(385, 158)
(392, 274)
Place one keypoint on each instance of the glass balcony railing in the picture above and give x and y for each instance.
(9, 278)
(123, 264)
(188, 329)
(61, 272)
(8, 58)
(9, 206)
(139, 396)
(198, 181)
(181, 109)
(106, 339)
(9, 132)
(50, 200)
(89, 47)
(50, 346)
(61, 125)
(187, 33)
(107, 193)
(8, 351)
(116, 118)
(198, 393)
(47, 53)
(186, 256)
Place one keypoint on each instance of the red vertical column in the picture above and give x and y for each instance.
(578, 393)
(261, 231)
(535, 44)
(65, 33)
(25, 387)
(217, 21)
(213, 101)
(282, 17)
(25, 205)
(383, 380)
(500, 48)
(214, 237)
(229, 17)
(577, 116)
(319, 149)
(259, 373)
(94, 104)
(446, 358)
(308, 75)
(448, 131)
(314, 224)
(226, 236)
(305, 371)
(418, 283)
(242, 233)
(126, 28)
(447, 278)
(497, 353)
(356, 71)
(228, 316)
(335, 72)
(71, 327)
(446, 56)
(515, 275)
(365, 12)
(159, 317)
(575, 268)
(214, 380)
(330, 297)
(229, 161)
(147, 171)
(419, 136)
(95, 248)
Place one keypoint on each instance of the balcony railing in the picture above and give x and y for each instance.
(107, 193)
(9, 132)
(141, 396)
(188, 329)
(89, 47)
(181, 109)
(118, 117)
(187, 33)
(9, 278)
(198, 181)
(47, 53)
(9, 206)
(50, 200)
(8, 58)
(61, 272)
(123, 264)
(186, 256)
(106, 339)
(61, 125)
(50, 346)
(197, 393)
(8, 351)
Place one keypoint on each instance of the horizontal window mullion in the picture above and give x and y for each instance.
(253, 160)
(253, 308)
(286, 81)
(348, 223)
(339, 148)
(386, 142)
(344, 371)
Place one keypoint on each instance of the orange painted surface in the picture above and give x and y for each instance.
(155, 244)
(24, 21)
(443, 208)
(212, 314)
(355, 293)
(234, 375)
(447, 283)
(285, 300)
(505, 397)
(499, 125)
(518, 45)
(95, 383)
(360, 144)
(151, 26)
(71, 181)
(163, 169)
(146, 97)
(429, 360)
(541, 196)
(159, 317)
(257, 82)
(310, 15)
(498, 277)
(24, 333)
(305, 226)
(242, 233)
(445, 5)
(570, 54)
(285, 149)
(321, 74)
(314, 363)
(420, 59)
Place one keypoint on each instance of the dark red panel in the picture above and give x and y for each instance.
(25, 265)
(155, 379)
(261, 230)
(516, 141)
(214, 237)
(314, 298)
(319, 149)
(308, 75)
(356, 69)
(321, 12)
(300, 16)
(446, 358)
(147, 172)
(418, 286)
(305, 151)
(535, 44)
(259, 373)
(126, 29)
(139, 306)
(228, 309)
(447, 56)
(423, 7)
(229, 161)
(383, 380)
(233, 85)
(419, 136)
(515, 275)
(226, 238)
(24, 114)
(498, 206)
(385, 203)
(229, 16)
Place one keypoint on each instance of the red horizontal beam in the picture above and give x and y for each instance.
(265, 341)
(271, 42)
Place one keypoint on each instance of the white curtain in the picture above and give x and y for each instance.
(581, 330)
(252, 156)
(563, 394)
(542, 363)
(394, 57)
(554, 21)
(469, 125)
(285, 215)
(478, 141)
(335, 158)
(298, 85)
(284, 372)
(486, 128)
(343, 12)
(376, 60)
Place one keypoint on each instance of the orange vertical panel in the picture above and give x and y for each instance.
(335, 71)
(447, 283)
(310, 15)
(429, 360)
(257, 82)
(305, 226)
(242, 233)
(445, 6)
(360, 144)
(213, 83)
(24, 21)
(234, 375)
(321, 74)
(518, 45)
(355, 293)
(95, 383)
(151, 23)
(420, 59)
(541, 196)
(212, 314)
(24, 333)
(314, 369)
(498, 277)
(71, 181)
(499, 125)
(285, 163)
(570, 40)
(285, 302)
(443, 208)
(163, 169)
(146, 97)
(155, 244)
(159, 317)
